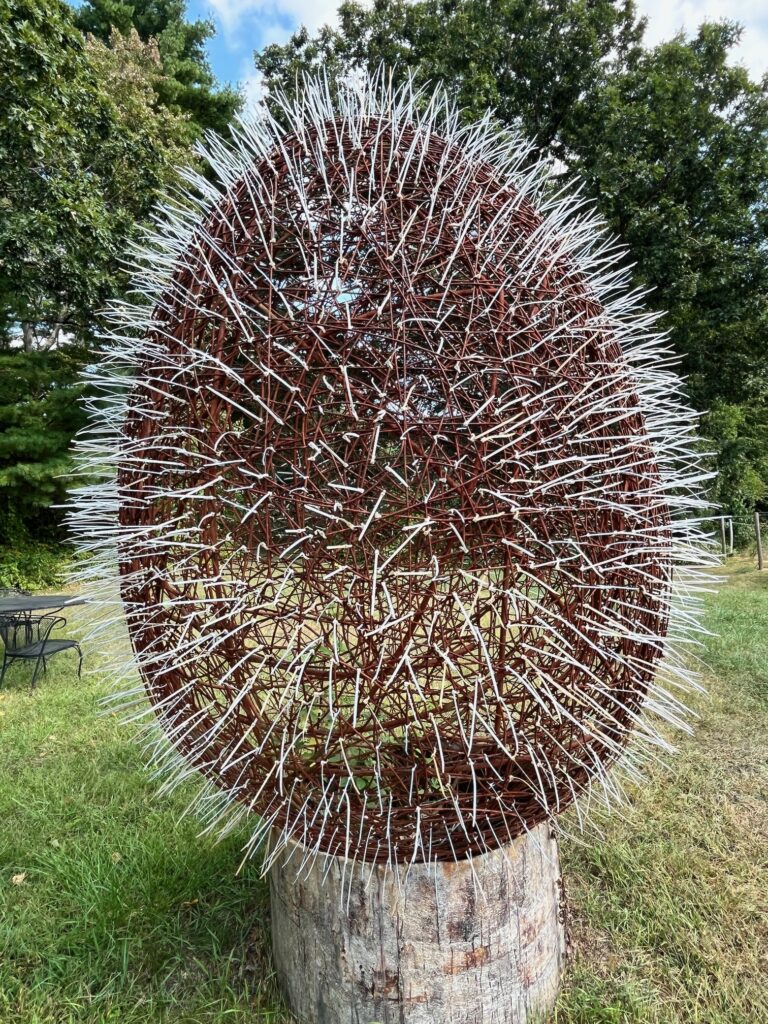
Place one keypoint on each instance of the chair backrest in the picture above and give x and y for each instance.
(18, 631)
(13, 630)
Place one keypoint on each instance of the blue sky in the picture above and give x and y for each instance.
(246, 25)
(243, 26)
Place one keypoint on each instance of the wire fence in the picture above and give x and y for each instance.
(745, 534)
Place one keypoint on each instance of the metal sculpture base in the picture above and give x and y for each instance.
(478, 941)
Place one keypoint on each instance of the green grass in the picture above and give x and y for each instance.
(112, 909)
(670, 909)
(123, 914)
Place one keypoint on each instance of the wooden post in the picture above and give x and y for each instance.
(480, 942)
(730, 535)
(722, 535)
(759, 541)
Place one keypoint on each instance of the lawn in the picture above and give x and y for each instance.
(113, 910)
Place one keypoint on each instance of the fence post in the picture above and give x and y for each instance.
(722, 535)
(759, 541)
(730, 535)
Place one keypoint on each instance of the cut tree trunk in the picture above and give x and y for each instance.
(478, 942)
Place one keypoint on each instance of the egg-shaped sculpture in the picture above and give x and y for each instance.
(401, 477)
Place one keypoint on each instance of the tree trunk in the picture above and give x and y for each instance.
(480, 942)
(28, 335)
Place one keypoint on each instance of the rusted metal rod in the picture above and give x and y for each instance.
(388, 461)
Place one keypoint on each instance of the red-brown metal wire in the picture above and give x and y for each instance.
(411, 495)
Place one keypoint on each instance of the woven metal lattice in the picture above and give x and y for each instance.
(395, 507)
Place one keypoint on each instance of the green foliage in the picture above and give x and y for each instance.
(55, 222)
(39, 414)
(531, 61)
(80, 167)
(672, 142)
(188, 85)
(34, 565)
(85, 146)
(131, 73)
(675, 151)
(739, 437)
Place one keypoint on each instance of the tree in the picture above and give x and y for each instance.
(130, 71)
(39, 414)
(85, 150)
(532, 61)
(675, 151)
(54, 223)
(188, 85)
(672, 142)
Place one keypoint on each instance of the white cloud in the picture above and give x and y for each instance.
(276, 18)
(667, 17)
(251, 86)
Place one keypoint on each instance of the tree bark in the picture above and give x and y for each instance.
(28, 335)
(478, 942)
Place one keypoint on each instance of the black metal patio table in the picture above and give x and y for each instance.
(25, 603)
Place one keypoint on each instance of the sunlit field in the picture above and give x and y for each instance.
(113, 909)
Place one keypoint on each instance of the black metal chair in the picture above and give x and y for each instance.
(28, 638)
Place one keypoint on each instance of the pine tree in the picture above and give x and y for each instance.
(189, 84)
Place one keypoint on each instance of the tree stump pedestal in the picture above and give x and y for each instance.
(478, 942)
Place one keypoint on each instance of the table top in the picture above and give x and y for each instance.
(33, 602)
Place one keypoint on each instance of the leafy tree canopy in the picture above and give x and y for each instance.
(672, 142)
(534, 62)
(675, 151)
(85, 147)
(188, 83)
